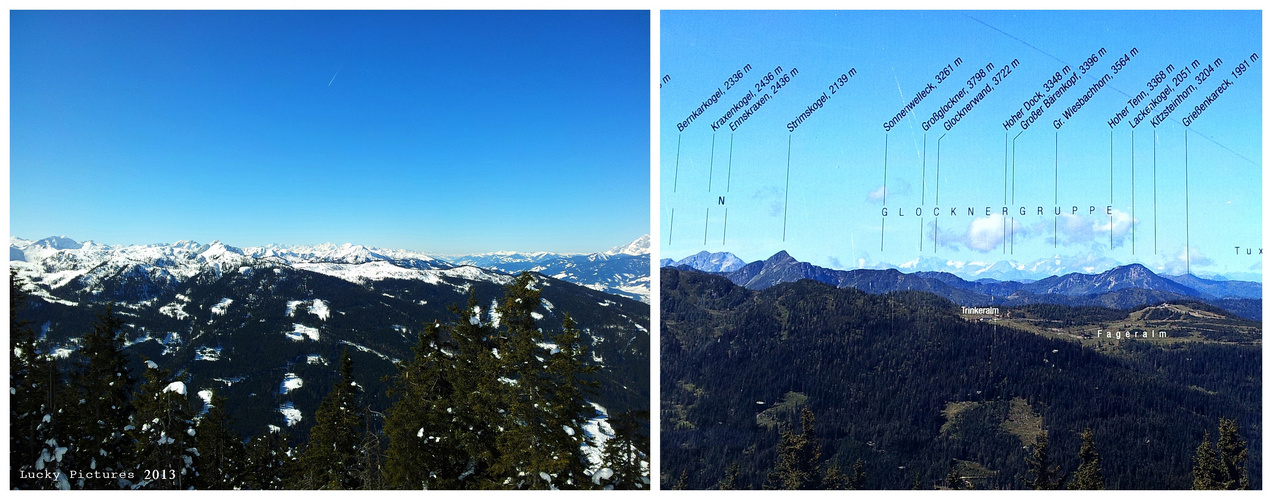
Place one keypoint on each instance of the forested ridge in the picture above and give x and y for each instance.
(903, 383)
(245, 350)
(478, 406)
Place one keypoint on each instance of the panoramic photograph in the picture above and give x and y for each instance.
(329, 250)
(1022, 253)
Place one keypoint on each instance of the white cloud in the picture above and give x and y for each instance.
(1077, 229)
(1120, 222)
(985, 233)
(877, 195)
(982, 234)
(1182, 262)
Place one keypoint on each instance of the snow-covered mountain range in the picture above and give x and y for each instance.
(622, 270)
(53, 262)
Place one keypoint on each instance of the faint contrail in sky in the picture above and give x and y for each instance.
(333, 78)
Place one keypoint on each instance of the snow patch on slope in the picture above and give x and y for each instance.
(206, 396)
(319, 309)
(221, 307)
(494, 313)
(291, 382)
(599, 431)
(370, 350)
(290, 414)
(301, 331)
(175, 309)
(207, 354)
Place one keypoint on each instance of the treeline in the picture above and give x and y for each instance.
(799, 465)
(479, 407)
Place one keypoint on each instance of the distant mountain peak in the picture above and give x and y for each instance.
(780, 257)
(718, 262)
(639, 246)
(59, 243)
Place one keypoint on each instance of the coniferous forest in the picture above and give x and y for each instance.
(807, 386)
(476, 407)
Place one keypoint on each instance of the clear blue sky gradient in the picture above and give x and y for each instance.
(832, 209)
(452, 132)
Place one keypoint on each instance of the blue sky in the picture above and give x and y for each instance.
(451, 132)
(831, 214)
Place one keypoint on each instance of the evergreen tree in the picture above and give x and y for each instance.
(35, 406)
(1088, 476)
(834, 479)
(953, 480)
(683, 482)
(624, 452)
(480, 407)
(1046, 476)
(1207, 468)
(568, 409)
(103, 405)
(730, 481)
(222, 458)
(24, 397)
(330, 460)
(477, 410)
(270, 464)
(529, 455)
(799, 456)
(424, 451)
(371, 453)
(858, 479)
(52, 432)
(1232, 457)
(164, 432)
(918, 481)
